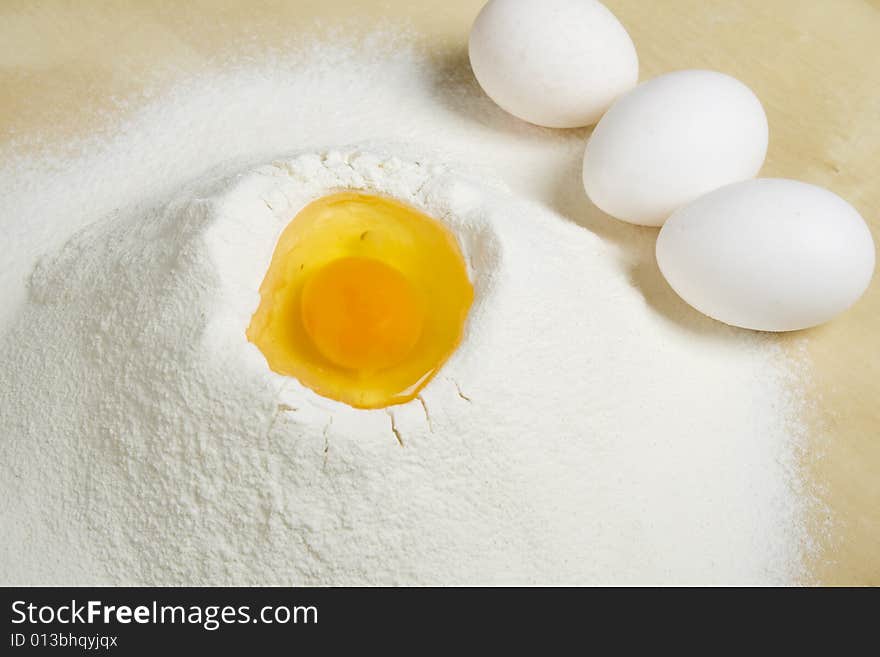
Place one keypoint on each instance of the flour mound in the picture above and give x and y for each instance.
(575, 437)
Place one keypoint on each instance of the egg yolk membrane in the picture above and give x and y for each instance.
(364, 300)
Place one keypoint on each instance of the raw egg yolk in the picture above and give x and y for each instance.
(362, 314)
(364, 300)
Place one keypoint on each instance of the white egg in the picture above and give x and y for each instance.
(671, 140)
(767, 254)
(556, 63)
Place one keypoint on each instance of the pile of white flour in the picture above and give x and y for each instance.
(587, 431)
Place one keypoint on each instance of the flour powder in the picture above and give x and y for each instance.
(590, 429)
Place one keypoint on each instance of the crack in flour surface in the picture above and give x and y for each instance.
(578, 435)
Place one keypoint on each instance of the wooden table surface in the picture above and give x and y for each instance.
(815, 64)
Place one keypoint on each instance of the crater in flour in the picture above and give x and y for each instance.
(241, 245)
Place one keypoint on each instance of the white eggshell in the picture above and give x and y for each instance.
(767, 254)
(556, 63)
(671, 140)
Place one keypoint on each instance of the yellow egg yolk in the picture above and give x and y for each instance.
(362, 314)
(363, 301)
